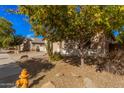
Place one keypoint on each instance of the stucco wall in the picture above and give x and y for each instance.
(56, 47)
(61, 47)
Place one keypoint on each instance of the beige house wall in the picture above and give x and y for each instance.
(33, 47)
(60, 47)
(41, 47)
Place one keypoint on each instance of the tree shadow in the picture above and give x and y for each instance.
(35, 82)
(36, 65)
(75, 60)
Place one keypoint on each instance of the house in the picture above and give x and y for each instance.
(33, 44)
(99, 45)
(37, 45)
(66, 48)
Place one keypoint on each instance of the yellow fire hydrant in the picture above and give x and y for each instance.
(23, 82)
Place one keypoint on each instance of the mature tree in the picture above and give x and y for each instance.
(26, 45)
(48, 21)
(6, 32)
(17, 41)
(92, 20)
(77, 23)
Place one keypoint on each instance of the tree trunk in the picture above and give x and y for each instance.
(82, 61)
(81, 52)
(60, 47)
(104, 45)
(19, 48)
(49, 48)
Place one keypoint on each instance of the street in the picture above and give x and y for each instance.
(9, 70)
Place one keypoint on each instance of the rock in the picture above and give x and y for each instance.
(59, 74)
(23, 58)
(75, 75)
(88, 83)
(48, 85)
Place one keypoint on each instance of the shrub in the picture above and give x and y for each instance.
(56, 57)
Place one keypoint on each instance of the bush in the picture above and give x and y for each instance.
(56, 57)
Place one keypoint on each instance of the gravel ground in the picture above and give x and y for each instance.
(64, 75)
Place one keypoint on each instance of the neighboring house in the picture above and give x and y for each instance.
(33, 44)
(38, 45)
(99, 45)
(66, 48)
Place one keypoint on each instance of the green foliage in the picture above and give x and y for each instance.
(58, 23)
(56, 57)
(17, 40)
(78, 23)
(6, 32)
(120, 38)
(48, 21)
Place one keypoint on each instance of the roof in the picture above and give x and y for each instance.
(37, 41)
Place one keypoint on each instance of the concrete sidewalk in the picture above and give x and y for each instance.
(5, 59)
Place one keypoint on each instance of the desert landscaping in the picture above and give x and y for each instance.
(67, 46)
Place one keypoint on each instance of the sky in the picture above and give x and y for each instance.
(21, 26)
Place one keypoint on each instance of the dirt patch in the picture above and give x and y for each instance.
(64, 75)
(67, 74)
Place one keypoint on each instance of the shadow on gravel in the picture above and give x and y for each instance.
(36, 65)
(35, 82)
(75, 61)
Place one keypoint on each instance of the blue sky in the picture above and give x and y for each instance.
(21, 26)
